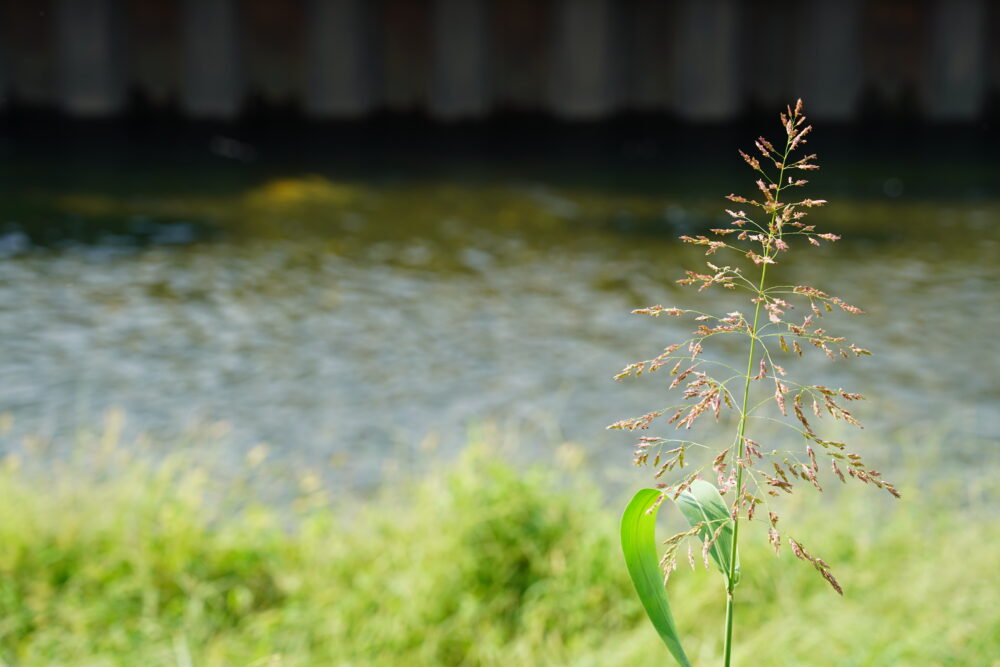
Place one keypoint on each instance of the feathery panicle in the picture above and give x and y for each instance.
(787, 322)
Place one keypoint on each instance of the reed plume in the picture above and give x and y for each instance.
(784, 322)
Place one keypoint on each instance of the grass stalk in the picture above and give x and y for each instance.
(738, 454)
(748, 473)
(741, 431)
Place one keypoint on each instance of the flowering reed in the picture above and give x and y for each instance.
(763, 230)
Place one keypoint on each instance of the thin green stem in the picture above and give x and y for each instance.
(741, 430)
(730, 585)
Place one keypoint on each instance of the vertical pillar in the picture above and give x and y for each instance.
(273, 64)
(519, 37)
(993, 53)
(958, 60)
(650, 72)
(767, 67)
(213, 84)
(339, 54)
(404, 53)
(582, 70)
(29, 44)
(459, 69)
(706, 56)
(154, 49)
(89, 57)
(828, 74)
(895, 51)
(3, 71)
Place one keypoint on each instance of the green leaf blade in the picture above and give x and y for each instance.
(638, 535)
(702, 504)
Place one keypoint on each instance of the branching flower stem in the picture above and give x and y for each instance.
(741, 429)
(743, 487)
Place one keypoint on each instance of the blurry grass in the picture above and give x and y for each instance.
(106, 559)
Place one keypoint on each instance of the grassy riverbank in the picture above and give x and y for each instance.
(125, 563)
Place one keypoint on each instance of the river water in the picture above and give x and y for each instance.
(360, 319)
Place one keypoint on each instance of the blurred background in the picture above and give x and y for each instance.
(343, 228)
(448, 59)
(352, 237)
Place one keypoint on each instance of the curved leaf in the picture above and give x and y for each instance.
(702, 503)
(639, 546)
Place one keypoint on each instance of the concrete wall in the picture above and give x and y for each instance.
(700, 60)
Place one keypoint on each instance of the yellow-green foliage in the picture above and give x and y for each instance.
(136, 564)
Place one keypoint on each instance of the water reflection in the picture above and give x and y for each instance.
(350, 319)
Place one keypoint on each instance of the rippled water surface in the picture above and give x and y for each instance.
(358, 319)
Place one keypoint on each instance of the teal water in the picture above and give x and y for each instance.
(356, 319)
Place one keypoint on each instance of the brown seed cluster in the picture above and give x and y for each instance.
(818, 563)
(759, 233)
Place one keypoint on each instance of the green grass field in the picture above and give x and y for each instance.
(120, 562)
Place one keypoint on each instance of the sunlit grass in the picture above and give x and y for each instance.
(106, 558)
